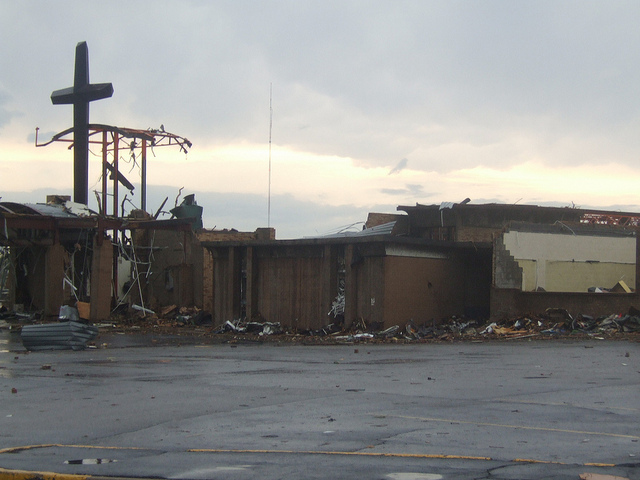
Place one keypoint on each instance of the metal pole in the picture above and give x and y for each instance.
(116, 154)
(104, 171)
(270, 128)
(143, 174)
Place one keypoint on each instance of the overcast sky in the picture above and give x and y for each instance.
(375, 103)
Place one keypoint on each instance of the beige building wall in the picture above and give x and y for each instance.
(529, 274)
(572, 263)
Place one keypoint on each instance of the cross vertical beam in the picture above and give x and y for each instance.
(105, 143)
(143, 177)
(79, 96)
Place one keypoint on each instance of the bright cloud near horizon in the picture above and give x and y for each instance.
(375, 103)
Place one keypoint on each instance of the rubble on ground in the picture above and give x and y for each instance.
(553, 323)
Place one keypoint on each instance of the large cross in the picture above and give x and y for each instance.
(80, 95)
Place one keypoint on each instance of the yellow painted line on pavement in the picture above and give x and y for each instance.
(531, 460)
(515, 427)
(328, 452)
(26, 475)
(383, 454)
(206, 450)
(566, 404)
(49, 445)
(549, 462)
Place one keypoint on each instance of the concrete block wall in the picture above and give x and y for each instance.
(506, 271)
(511, 303)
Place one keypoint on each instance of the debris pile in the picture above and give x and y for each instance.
(552, 323)
(256, 328)
(137, 317)
(173, 320)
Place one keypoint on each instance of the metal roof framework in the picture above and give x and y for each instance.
(115, 140)
(611, 219)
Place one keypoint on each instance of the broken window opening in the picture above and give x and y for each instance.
(139, 271)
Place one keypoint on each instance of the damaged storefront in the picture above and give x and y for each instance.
(581, 268)
(59, 254)
(381, 280)
(421, 268)
(429, 265)
(55, 254)
(581, 261)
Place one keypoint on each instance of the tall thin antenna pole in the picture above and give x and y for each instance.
(270, 128)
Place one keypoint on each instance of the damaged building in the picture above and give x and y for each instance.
(543, 257)
(424, 264)
(432, 262)
(60, 253)
(53, 254)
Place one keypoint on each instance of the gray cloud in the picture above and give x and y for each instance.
(402, 164)
(394, 191)
(448, 84)
(409, 190)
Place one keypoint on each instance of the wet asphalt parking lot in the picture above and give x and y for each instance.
(526, 409)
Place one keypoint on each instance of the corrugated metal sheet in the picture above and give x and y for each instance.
(68, 210)
(49, 210)
(58, 336)
(384, 229)
(35, 209)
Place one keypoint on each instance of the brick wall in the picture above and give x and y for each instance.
(476, 234)
(510, 303)
(235, 236)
